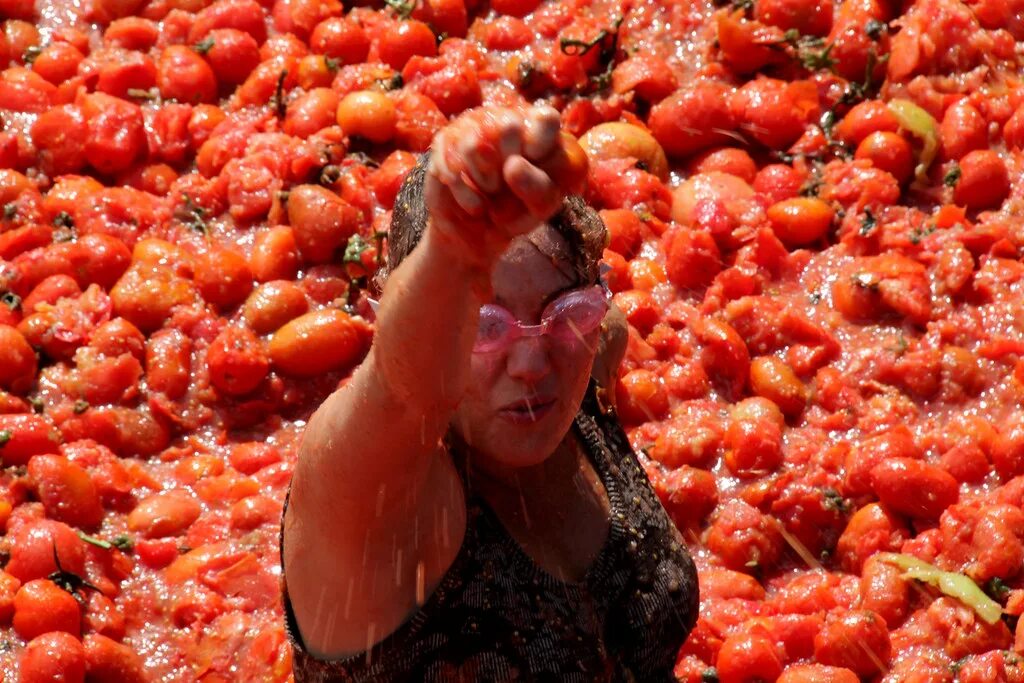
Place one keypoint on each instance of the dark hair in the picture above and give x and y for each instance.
(577, 222)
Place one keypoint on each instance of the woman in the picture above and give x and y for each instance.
(467, 508)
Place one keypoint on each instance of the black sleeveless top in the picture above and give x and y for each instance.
(497, 616)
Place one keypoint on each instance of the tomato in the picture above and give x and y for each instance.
(251, 456)
(889, 152)
(116, 134)
(856, 640)
(273, 304)
(168, 513)
(53, 657)
(402, 40)
(313, 111)
(169, 362)
(237, 361)
(744, 538)
(693, 118)
(649, 77)
(185, 76)
(58, 62)
(275, 254)
(864, 119)
(232, 55)
(17, 361)
(983, 183)
(321, 221)
(107, 661)
(244, 15)
(131, 33)
(315, 343)
(808, 18)
(340, 38)
(371, 115)
(300, 16)
(773, 112)
(40, 606)
(66, 491)
(223, 277)
(745, 658)
(817, 673)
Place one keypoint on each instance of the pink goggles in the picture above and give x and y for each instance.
(567, 319)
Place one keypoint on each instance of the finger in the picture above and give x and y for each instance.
(439, 165)
(511, 131)
(542, 129)
(532, 186)
(468, 198)
(483, 160)
(510, 214)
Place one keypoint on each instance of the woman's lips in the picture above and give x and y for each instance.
(527, 412)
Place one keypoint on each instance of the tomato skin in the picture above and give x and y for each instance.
(640, 396)
(58, 62)
(66, 491)
(863, 119)
(884, 591)
(52, 657)
(28, 435)
(889, 152)
(32, 549)
(273, 304)
(185, 76)
(108, 661)
(243, 15)
(321, 221)
(963, 129)
(690, 119)
(237, 361)
(743, 537)
(817, 673)
(768, 111)
(984, 181)
(117, 136)
(131, 33)
(40, 606)
(251, 456)
(746, 658)
(402, 40)
(340, 38)
(368, 114)
(275, 254)
(233, 55)
(146, 293)
(17, 361)
(167, 513)
(316, 343)
(809, 18)
(800, 221)
(848, 637)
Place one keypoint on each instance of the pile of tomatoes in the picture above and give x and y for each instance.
(815, 230)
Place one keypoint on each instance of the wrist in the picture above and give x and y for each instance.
(465, 261)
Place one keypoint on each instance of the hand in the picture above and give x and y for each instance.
(492, 176)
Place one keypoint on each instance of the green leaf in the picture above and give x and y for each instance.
(204, 46)
(5, 436)
(868, 223)
(874, 29)
(959, 586)
(98, 542)
(81, 405)
(952, 176)
(124, 543)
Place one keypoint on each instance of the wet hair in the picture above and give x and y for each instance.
(577, 222)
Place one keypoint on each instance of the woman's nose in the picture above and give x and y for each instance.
(528, 359)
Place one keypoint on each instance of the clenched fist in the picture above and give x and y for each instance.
(496, 173)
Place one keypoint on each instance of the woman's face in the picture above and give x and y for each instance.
(547, 374)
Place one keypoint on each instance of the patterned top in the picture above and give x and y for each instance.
(497, 616)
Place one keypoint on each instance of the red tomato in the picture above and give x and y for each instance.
(66, 491)
(116, 134)
(402, 40)
(40, 606)
(232, 55)
(857, 640)
(185, 76)
(316, 343)
(984, 182)
(745, 658)
(340, 38)
(889, 152)
(244, 15)
(107, 661)
(321, 221)
(237, 361)
(808, 18)
(963, 130)
(693, 118)
(53, 657)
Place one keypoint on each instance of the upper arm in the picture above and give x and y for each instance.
(350, 595)
(376, 516)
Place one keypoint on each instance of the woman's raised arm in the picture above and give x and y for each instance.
(369, 490)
